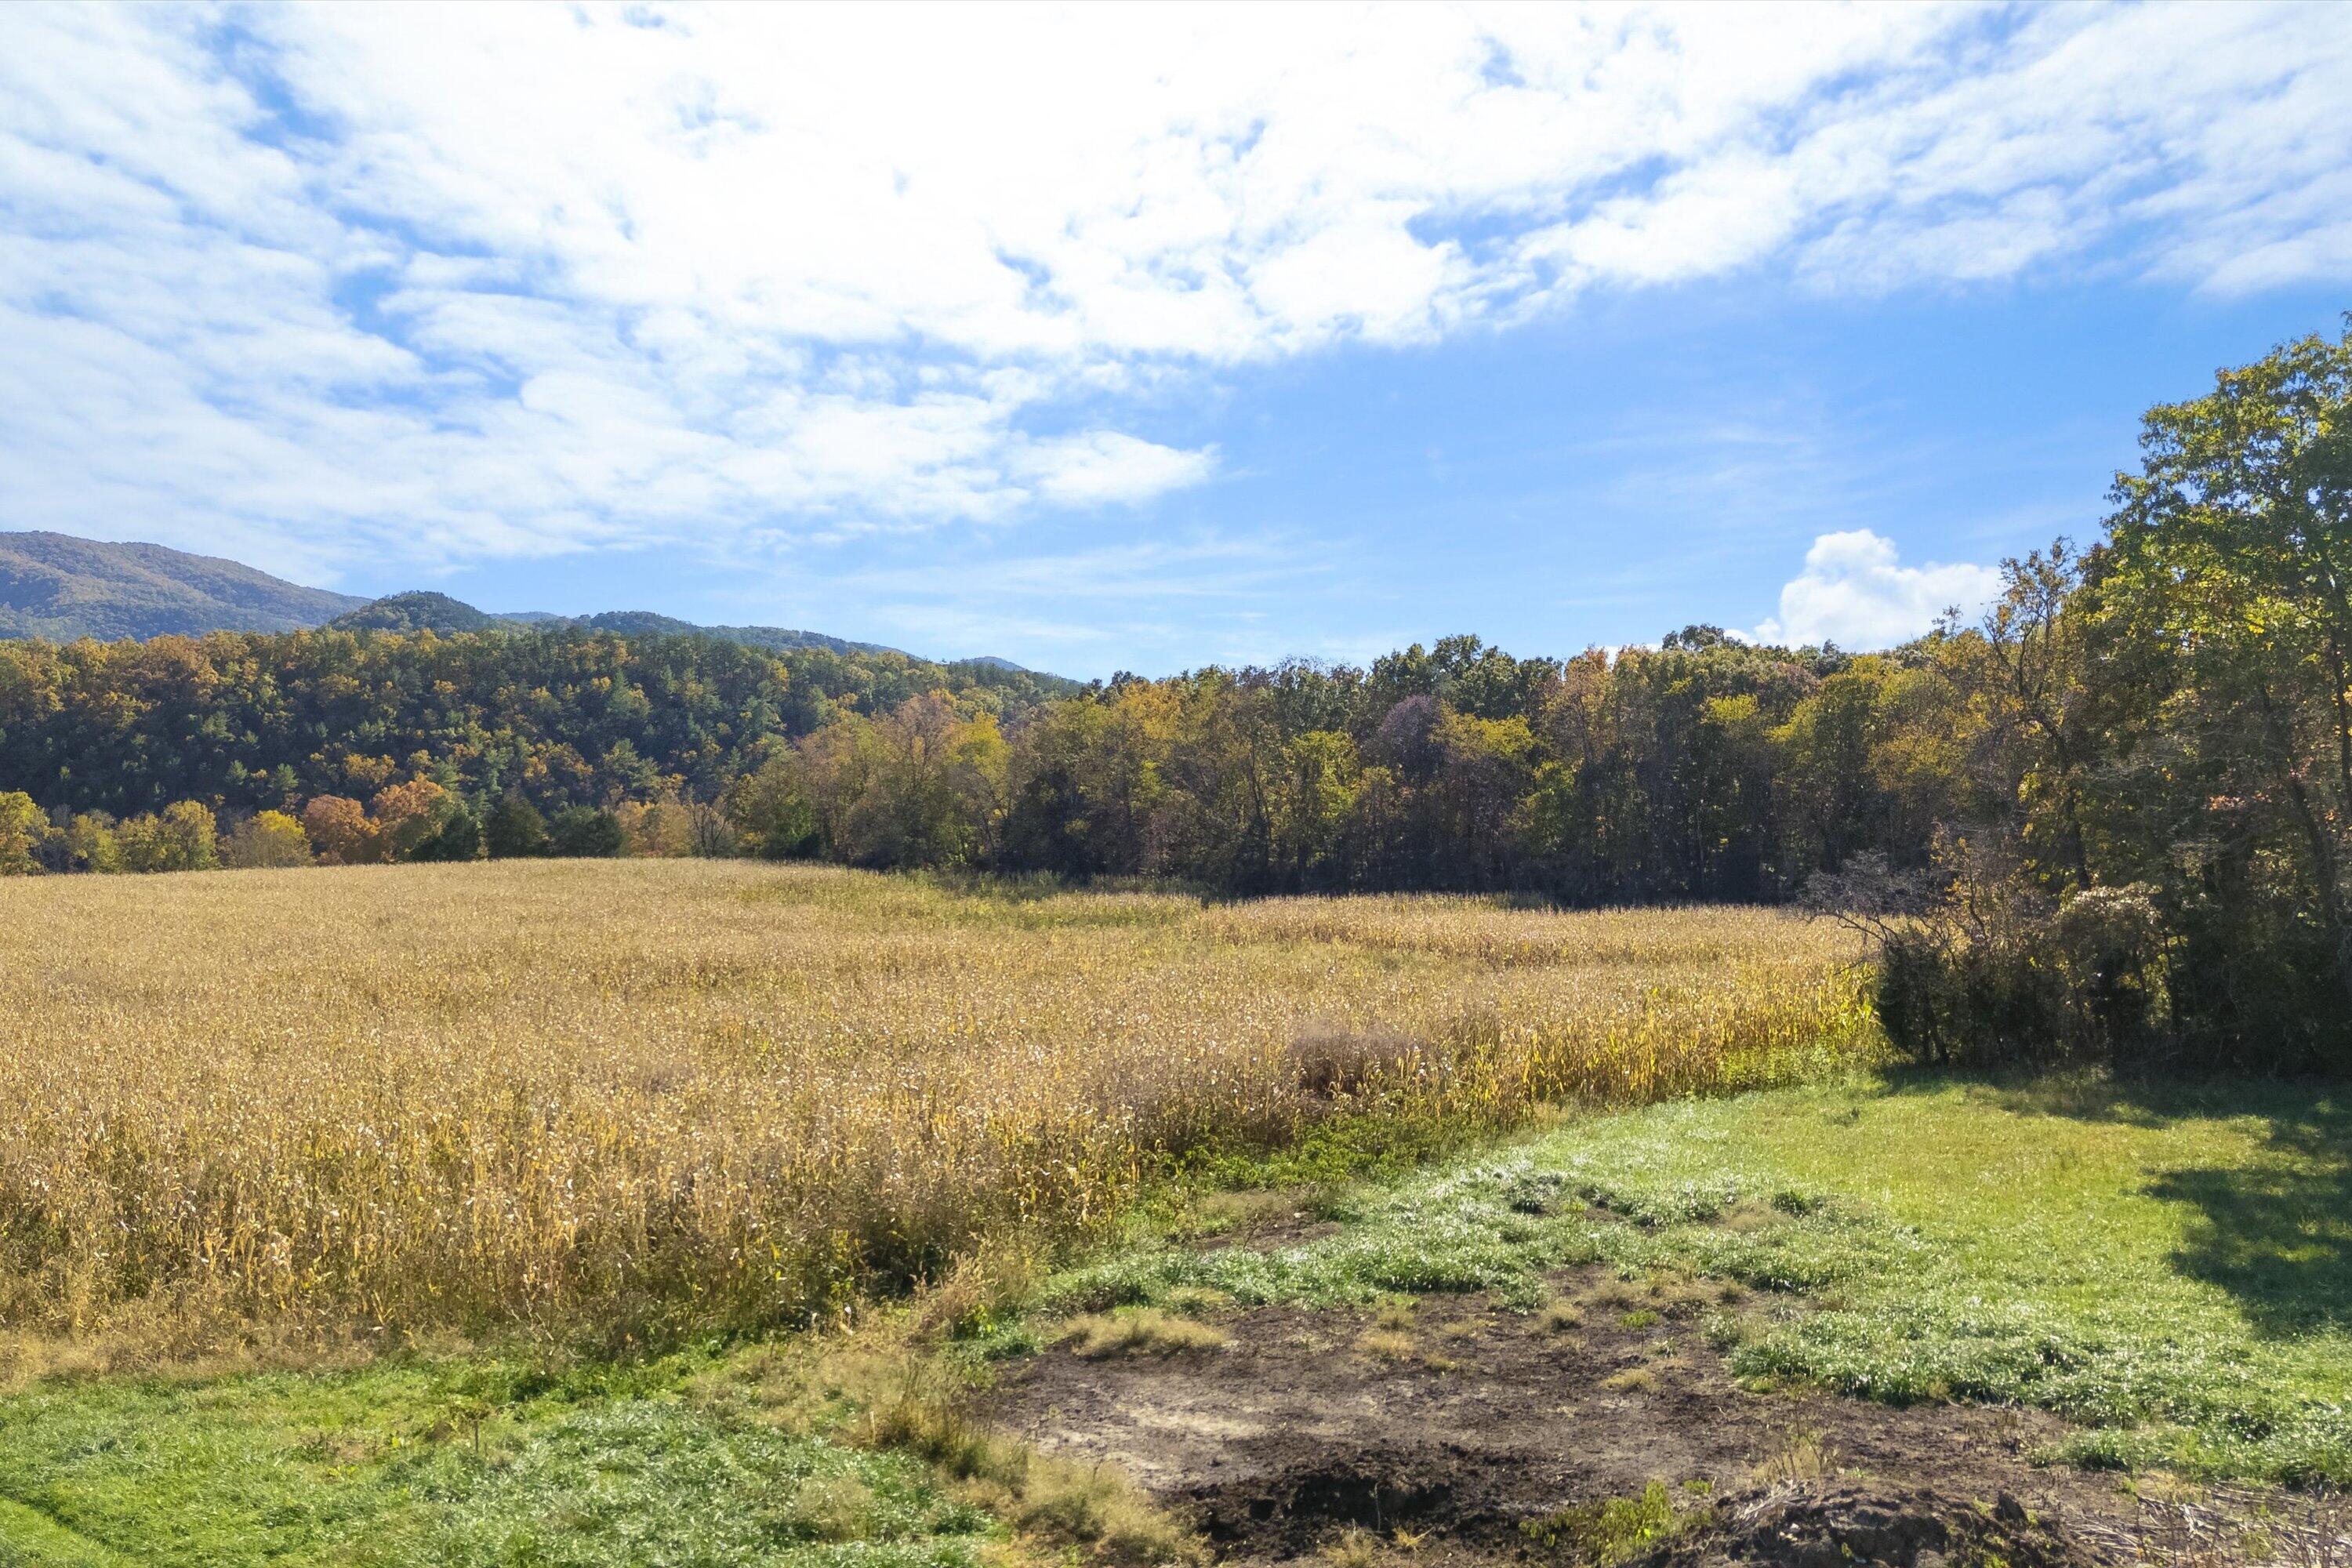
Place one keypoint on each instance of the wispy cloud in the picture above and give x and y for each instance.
(317, 284)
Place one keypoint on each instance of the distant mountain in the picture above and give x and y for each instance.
(776, 639)
(443, 614)
(418, 612)
(58, 587)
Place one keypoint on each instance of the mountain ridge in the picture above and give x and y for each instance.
(58, 587)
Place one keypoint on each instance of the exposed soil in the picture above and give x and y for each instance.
(1460, 1428)
(1831, 1524)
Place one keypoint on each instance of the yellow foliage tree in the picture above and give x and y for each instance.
(183, 837)
(23, 830)
(270, 838)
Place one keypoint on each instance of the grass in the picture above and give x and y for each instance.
(1140, 1331)
(627, 1103)
(2165, 1264)
(619, 1118)
(846, 1449)
(2169, 1265)
(461, 1463)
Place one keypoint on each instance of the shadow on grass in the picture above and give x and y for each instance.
(2273, 1231)
(2277, 1234)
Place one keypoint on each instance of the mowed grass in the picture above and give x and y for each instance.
(630, 1101)
(464, 1463)
(2170, 1265)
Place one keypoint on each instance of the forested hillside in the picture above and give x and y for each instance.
(55, 585)
(244, 722)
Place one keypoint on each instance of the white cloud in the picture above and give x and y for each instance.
(326, 281)
(1855, 593)
(1083, 470)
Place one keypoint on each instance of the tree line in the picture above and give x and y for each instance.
(2114, 813)
(1702, 769)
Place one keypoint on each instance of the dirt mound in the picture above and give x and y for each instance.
(1833, 1525)
(1489, 1436)
(1285, 1510)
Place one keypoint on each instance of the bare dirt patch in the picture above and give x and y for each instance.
(1829, 1524)
(1447, 1429)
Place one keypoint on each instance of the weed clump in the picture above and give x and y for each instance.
(1140, 1331)
(1608, 1532)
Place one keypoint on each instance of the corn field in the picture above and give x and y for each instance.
(652, 1096)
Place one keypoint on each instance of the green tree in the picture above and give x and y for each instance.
(24, 830)
(93, 844)
(2226, 597)
(183, 837)
(582, 831)
(459, 837)
(514, 829)
(771, 814)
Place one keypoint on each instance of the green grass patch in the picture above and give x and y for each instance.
(2169, 1265)
(456, 1463)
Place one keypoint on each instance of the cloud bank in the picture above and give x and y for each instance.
(315, 284)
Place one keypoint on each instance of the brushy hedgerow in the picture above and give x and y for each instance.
(2106, 1257)
(645, 1098)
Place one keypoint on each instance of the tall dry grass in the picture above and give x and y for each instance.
(672, 1094)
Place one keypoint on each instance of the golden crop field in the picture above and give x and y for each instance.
(674, 1094)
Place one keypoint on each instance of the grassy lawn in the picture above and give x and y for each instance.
(463, 1462)
(2170, 1266)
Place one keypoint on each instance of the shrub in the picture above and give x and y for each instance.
(1975, 1003)
(582, 830)
(1979, 965)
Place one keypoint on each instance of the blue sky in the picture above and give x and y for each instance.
(1139, 339)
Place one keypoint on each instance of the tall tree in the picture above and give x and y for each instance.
(2229, 581)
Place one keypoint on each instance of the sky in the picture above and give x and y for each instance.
(1139, 338)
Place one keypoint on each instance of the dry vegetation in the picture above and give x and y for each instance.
(652, 1096)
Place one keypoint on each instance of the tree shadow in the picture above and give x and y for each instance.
(2278, 1236)
(2275, 1232)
